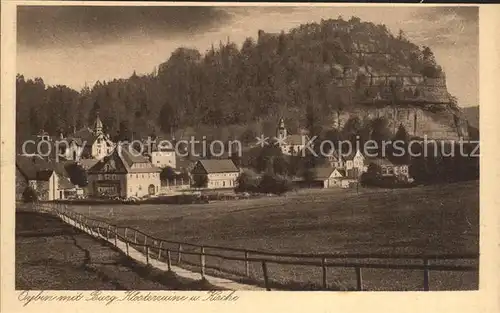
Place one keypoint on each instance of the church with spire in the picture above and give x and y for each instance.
(89, 142)
(289, 144)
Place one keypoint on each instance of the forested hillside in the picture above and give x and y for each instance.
(328, 67)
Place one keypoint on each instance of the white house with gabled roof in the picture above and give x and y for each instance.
(124, 173)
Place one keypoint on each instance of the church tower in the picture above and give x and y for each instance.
(98, 125)
(281, 131)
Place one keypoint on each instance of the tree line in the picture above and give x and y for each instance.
(283, 74)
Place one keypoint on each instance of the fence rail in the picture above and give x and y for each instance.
(157, 247)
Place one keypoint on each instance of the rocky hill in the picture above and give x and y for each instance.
(338, 68)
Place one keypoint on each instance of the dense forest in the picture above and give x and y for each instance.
(236, 88)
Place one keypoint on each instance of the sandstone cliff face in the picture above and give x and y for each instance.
(444, 125)
(422, 105)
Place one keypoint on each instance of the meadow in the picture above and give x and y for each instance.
(433, 219)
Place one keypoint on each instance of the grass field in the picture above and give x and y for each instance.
(431, 219)
(55, 256)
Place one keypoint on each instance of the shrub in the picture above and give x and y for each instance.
(274, 184)
(167, 174)
(200, 181)
(248, 181)
(30, 195)
(77, 174)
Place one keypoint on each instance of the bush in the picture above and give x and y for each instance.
(248, 181)
(167, 174)
(274, 184)
(30, 195)
(77, 174)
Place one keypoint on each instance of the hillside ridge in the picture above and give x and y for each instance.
(337, 67)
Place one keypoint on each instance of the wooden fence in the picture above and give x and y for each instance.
(174, 252)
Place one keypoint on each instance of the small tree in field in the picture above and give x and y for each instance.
(30, 195)
(200, 181)
(248, 181)
(167, 174)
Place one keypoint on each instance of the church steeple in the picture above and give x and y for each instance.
(98, 124)
(281, 131)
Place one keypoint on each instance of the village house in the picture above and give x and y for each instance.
(48, 179)
(335, 159)
(124, 173)
(160, 152)
(88, 143)
(215, 174)
(289, 144)
(355, 164)
(328, 177)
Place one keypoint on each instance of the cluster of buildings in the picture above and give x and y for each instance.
(112, 169)
(119, 170)
(342, 170)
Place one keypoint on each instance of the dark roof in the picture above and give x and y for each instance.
(37, 168)
(123, 158)
(218, 166)
(322, 172)
(31, 166)
(341, 171)
(65, 183)
(43, 175)
(87, 163)
(60, 168)
(131, 156)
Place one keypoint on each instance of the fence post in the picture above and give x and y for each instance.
(426, 275)
(159, 250)
(247, 265)
(126, 244)
(323, 269)
(147, 255)
(116, 236)
(169, 262)
(359, 279)
(135, 236)
(179, 254)
(266, 279)
(202, 261)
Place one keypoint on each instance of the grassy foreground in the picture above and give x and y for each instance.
(51, 255)
(431, 219)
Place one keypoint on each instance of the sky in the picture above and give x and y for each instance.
(78, 45)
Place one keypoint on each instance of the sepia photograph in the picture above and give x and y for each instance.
(230, 148)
